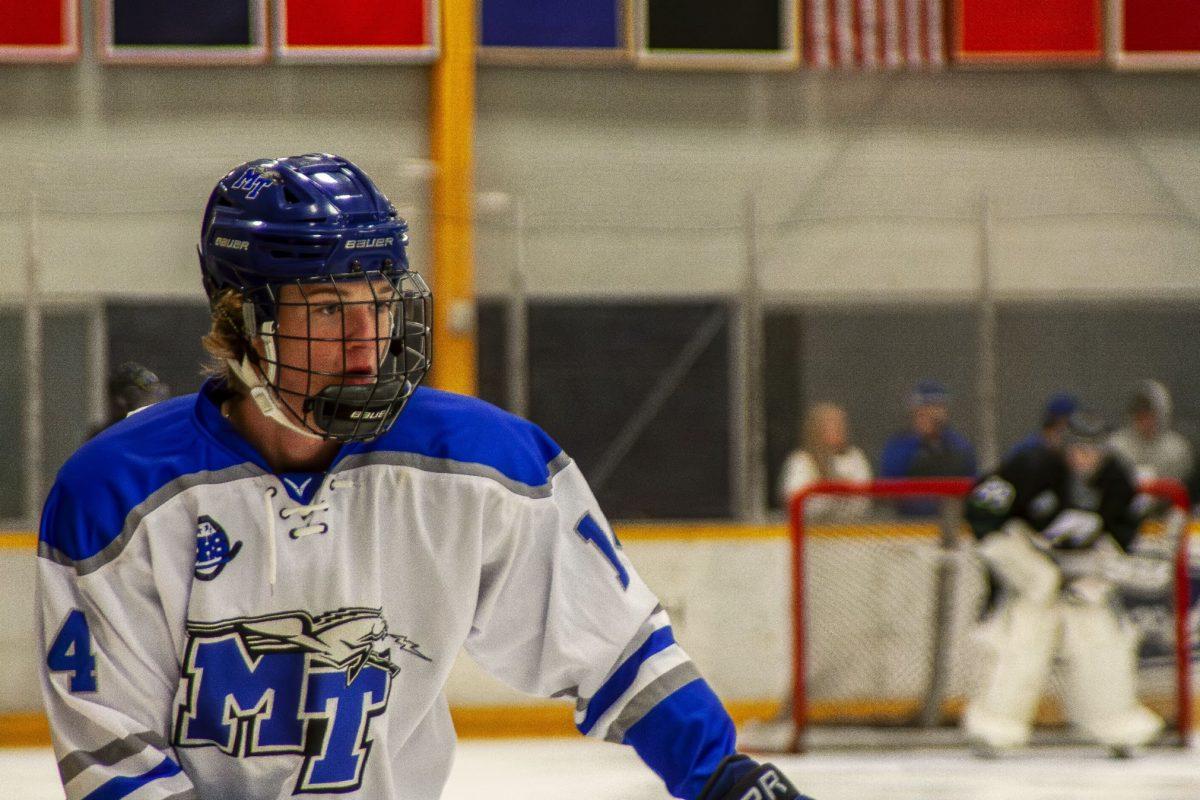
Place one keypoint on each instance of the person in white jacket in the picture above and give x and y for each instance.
(826, 455)
(1147, 443)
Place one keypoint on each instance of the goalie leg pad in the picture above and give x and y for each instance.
(1022, 637)
(1101, 682)
(1023, 570)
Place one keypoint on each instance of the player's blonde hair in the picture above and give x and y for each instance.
(224, 339)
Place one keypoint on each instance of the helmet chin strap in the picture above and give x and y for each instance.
(264, 396)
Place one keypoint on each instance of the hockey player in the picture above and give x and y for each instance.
(258, 591)
(1053, 525)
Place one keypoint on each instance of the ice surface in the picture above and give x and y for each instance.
(583, 770)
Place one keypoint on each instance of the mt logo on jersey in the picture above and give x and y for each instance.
(212, 548)
(291, 684)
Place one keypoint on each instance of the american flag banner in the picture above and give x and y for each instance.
(39, 30)
(874, 34)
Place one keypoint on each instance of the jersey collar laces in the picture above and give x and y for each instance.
(306, 513)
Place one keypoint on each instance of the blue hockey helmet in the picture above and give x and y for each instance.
(304, 221)
(271, 221)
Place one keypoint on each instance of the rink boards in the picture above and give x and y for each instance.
(728, 590)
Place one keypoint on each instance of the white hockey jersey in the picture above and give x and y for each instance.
(213, 630)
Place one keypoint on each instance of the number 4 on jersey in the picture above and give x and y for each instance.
(72, 652)
(590, 531)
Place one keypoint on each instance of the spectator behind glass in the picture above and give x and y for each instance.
(930, 448)
(1147, 443)
(1055, 418)
(826, 455)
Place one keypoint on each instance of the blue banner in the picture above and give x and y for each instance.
(568, 24)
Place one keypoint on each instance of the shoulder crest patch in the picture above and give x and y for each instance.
(212, 548)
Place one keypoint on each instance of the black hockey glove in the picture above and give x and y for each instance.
(740, 777)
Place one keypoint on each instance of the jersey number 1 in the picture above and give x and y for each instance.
(590, 531)
(72, 652)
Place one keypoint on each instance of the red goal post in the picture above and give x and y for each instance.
(954, 490)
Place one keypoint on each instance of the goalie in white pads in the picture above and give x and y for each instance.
(1053, 527)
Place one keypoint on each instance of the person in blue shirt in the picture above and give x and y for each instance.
(1059, 409)
(930, 448)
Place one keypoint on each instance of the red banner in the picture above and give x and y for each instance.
(39, 30)
(1028, 30)
(356, 30)
(1159, 33)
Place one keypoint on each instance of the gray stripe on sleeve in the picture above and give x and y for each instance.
(639, 639)
(72, 764)
(641, 703)
(186, 794)
(558, 463)
(134, 518)
(448, 466)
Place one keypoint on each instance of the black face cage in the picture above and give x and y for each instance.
(383, 325)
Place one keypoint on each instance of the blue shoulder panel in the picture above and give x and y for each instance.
(113, 473)
(459, 428)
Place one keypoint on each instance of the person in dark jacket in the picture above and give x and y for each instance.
(930, 448)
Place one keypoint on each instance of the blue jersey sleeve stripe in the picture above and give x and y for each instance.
(624, 676)
(123, 786)
(649, 697)
(75, 762)
(684, 737)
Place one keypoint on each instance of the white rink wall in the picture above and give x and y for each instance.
(19, 688)
(727, 599)
(870, 605)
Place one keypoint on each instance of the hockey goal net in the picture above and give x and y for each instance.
(885, 614)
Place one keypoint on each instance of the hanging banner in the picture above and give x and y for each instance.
(713, 34)
(568, 32)
(39, 30)
(380, 31)
(874, 34)
(181, 32)
(1029, 31)
(1157, 34)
